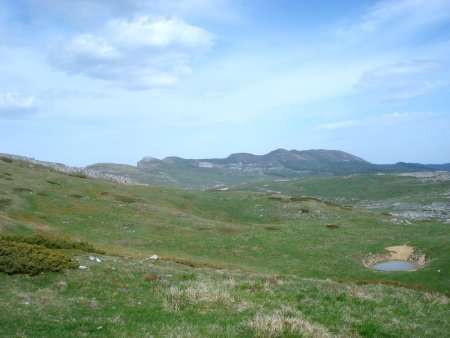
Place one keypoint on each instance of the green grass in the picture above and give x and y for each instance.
(115, 298)
(291, 274)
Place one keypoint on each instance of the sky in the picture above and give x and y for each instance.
(92, 81)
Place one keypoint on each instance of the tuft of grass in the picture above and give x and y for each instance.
(53, 182)
(206, 293)
(283, 322)
(76, 195)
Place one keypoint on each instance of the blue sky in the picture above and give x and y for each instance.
(92, 81)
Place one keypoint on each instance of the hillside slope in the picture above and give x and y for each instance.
(232, 263)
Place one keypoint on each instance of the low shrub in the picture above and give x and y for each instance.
(51, 242)
(298, 199)
(20, 189)
(332, 226)
(126, 199)
(76, 196)
(79, 175)
(272, 227)
(17, 257)
(53, 182)
(6, 159)
(5, 202)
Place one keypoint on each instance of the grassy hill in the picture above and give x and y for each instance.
(233, 263)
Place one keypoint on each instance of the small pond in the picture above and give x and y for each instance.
(394, 266)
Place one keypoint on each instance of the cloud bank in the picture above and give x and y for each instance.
(137, 54)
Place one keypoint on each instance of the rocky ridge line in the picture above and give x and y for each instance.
(91, 173)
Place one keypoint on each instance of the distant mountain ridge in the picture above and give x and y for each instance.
(236, 169)
(245, 167)
(277, 156)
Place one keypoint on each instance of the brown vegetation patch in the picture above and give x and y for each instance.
(152, 278)
(332, 226)
(272, 227)
(203, 228)
(227, 230)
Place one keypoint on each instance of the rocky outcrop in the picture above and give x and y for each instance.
(91, 173)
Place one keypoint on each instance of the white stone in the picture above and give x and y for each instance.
(154, 257)
(82, 267)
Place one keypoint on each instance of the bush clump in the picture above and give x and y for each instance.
(6, 159)
(79, 175)
(20, 189)
(17, 257)
(5, 202)
(51, 242)
(125, 198)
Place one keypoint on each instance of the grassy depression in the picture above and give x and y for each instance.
(288, 265)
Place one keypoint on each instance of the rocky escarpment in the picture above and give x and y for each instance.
(95, 174)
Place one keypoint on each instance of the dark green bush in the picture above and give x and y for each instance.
(6, 159)
(20, 189)
(16, 257)
(50, 241)
(125, 198)
(5, 202)
(79, 175)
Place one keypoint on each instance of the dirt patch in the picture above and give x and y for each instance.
(399, 252)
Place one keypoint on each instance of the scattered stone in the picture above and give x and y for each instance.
(154, 258)
(95, 259)
(82, 267)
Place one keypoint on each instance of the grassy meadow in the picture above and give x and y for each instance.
(236, 263)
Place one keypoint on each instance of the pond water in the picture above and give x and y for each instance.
(394, 266)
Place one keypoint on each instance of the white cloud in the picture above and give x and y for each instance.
(138, 54)
(372, 77)
(403, 80)
(17, 105)
(377, 121)
(414, 89)
(399, 17)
